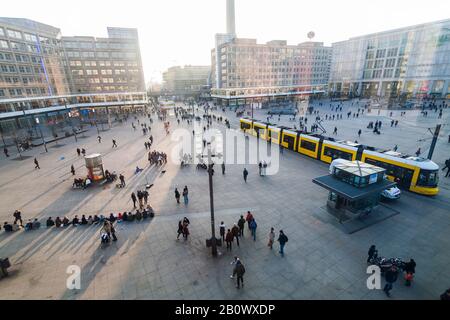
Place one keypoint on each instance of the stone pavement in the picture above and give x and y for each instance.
(321, 261)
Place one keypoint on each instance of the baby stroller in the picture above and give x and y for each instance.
(105, 239)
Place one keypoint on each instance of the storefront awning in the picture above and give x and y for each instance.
(350, 192)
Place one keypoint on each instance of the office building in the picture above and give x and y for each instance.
(412, 61)
(275, 69)
(110, 64)
(244, 71)
(31, 59)
(187, 80)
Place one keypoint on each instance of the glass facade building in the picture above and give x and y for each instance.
(35, 60)
(412, 61)
(243, 68)
(31, 59)
(110, 64)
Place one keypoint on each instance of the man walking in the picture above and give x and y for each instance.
(185, 195)
(391, 276)
(78, 151)
(5, 150)
(36, 164)
(122, 180)
(371, 254)
(114, 144)
(241, 224)
(235, 233)
(245, 173)
(359, 133)
(72, 169)
(18, 217)
(133, 197)
(223, 168)
(145, 195)
(99, 139)
(239, 271)
(229, 239)
(282, 239)
(177, 195)
(418, 152)
(447, 166)
(253, 227)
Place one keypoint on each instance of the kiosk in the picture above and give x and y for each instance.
(354, 188)
(94, 165)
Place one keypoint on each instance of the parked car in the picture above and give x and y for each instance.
(391, 193)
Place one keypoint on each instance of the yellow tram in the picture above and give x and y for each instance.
(415, 174)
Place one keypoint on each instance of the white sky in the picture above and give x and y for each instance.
(179, 32)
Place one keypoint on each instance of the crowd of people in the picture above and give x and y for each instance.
(138, 215)
(157, 158)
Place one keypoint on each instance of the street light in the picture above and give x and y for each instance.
(214, 242)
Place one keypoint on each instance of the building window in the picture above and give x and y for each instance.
(4, 44)
(30, 37)
(14, 34)
(381, 53)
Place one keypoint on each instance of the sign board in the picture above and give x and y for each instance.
(373, 178)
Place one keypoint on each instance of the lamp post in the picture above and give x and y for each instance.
(42, 136)
(211, 199)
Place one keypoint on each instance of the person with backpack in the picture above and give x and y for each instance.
(249, 219)
(282, 239)
(253, 227)
(239, 271)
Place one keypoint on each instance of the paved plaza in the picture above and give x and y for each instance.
(147, 262)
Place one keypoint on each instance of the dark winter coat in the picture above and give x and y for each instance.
(239, 270)
(391, 276)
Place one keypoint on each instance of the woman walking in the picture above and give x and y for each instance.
(180, 229)
(222, 230)
(177, 195)
(185, 195)
(271, 238)
(229, 239)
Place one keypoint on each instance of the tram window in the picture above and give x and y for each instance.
(405, 175)
(289, 140)
(337, 154)
(311, 146)
(245, 125)
(428, 178)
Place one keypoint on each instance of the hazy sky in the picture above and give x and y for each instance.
(178, 32)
